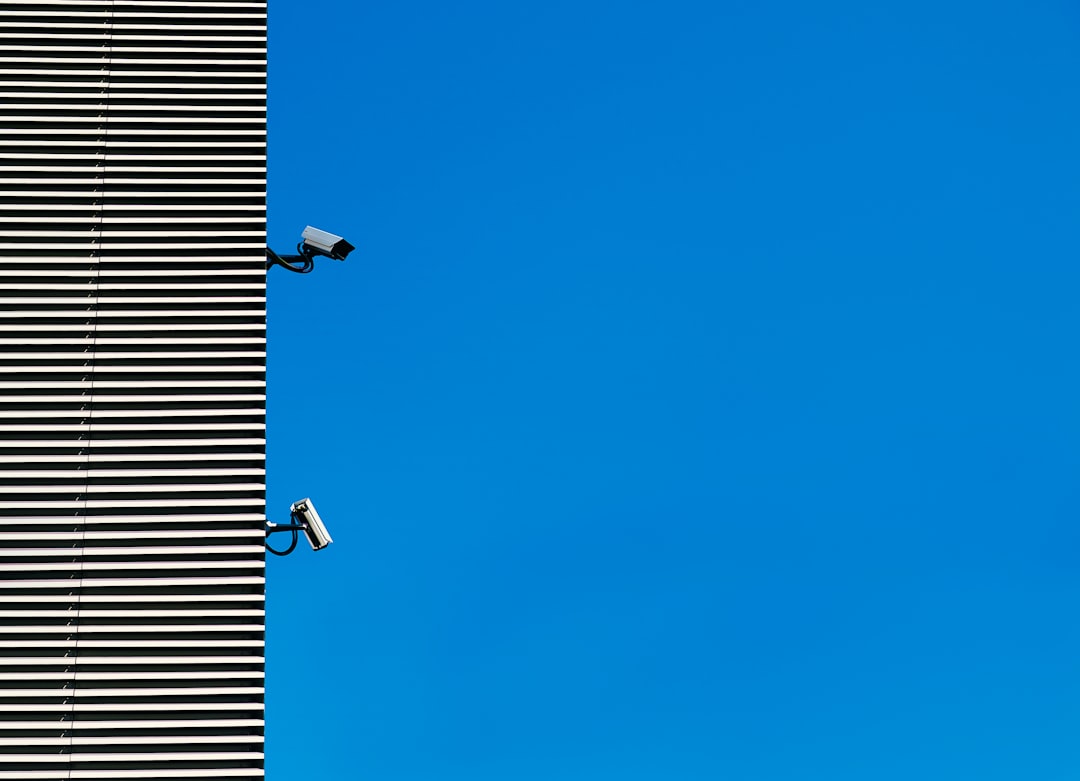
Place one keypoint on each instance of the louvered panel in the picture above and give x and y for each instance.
(132, 355)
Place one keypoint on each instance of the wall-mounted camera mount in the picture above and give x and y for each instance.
(314, 243)
(304, 519)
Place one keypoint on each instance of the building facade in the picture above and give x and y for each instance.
(132, 344)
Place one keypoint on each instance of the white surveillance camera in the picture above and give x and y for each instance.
(317, 535)
(324, 243)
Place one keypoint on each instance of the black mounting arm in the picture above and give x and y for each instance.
(295, 528)
(306, 259)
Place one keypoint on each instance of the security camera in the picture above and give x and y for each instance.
(304, 519)
(315, 243)
(314, 529)
(324, 243)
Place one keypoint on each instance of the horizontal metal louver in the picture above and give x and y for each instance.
(132, 371)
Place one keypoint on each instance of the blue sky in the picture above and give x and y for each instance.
(701, 400)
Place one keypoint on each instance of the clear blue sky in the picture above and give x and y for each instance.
(701, 401)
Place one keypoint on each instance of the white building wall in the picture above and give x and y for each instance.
(132, 339)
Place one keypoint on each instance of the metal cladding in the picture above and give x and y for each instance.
(132, 357)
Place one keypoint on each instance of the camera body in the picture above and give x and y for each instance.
(321, 242)
(304, 513)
